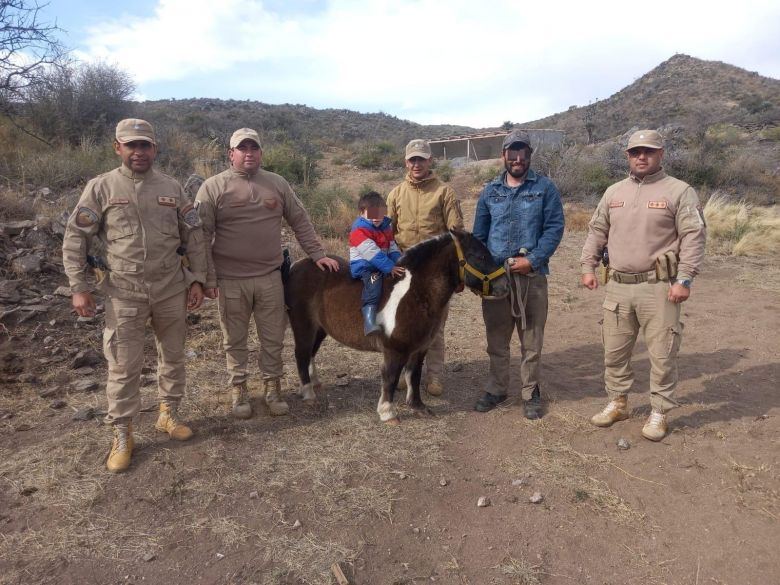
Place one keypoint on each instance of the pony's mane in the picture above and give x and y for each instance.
(420, 253)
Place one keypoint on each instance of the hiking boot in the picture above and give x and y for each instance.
(435, 387)
(369, 320)
(533, 406)
(489, 401)
(273, 397)
(121, 449)
(168, 422)
(655, 428)
(616, 410)
(240, 396)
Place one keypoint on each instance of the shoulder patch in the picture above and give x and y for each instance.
(167, 201)
(119, 201)
(189, 215)
(85, 217)
(656, 204)
(616, 204)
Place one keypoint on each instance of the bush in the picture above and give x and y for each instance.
(332, 210)
(382, 155)
(299, 168)
(444, 170)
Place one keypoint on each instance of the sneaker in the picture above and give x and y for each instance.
(616, 410)
(240, 397)
(489, 401)
(168, 422)
(655, 428)
(533, 406)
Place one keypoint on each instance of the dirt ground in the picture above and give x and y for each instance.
(279, 501)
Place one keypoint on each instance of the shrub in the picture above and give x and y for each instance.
(295, 165)
(332, 210)
(444, 170)
(382, 155)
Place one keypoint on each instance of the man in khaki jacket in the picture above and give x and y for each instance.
(144, 220)
(654, 230)
(422, 207)
(242, 210)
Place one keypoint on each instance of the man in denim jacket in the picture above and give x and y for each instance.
(520, 218)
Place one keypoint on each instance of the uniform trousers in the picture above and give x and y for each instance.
(499, 326)
(123, 346)
(628, 310)
(261, 298)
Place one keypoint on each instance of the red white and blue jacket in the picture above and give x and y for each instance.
(372, 248)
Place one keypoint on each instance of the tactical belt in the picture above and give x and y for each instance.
(633, 278)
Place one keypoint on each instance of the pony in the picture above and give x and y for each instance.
(322, 303)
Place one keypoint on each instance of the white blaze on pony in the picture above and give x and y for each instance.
(386, 317)
(323, 303)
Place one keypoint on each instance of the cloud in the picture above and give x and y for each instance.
(476, 63)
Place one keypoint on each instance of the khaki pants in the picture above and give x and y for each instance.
(239, 300)
(499, 326)
(123, 346)
(629, 309)
(434, 358)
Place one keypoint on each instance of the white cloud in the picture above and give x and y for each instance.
(466, 62)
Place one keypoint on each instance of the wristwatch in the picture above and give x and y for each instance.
(684, 282)
(511, 261)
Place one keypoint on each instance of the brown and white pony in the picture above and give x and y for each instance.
(323, 303)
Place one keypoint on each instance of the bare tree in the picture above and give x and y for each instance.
(27, 46)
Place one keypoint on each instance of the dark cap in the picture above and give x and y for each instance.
(517, 136)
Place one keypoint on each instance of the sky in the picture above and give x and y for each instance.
(475, 63)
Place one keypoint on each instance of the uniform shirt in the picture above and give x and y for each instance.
(641, 219)
(371, 247)
(528, 216)
(422, 209)
(142, 219)
(242, 224)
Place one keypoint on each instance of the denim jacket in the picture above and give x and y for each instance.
(528, 216)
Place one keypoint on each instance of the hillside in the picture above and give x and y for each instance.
(682, 91)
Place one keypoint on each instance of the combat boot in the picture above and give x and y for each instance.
(616, 410)
(241, 406)
(168, 422)
(273, 397)
(435, 387)
(655, 428)
(121, 449)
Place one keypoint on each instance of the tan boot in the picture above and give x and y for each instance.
(121, 449)
(616, 410)
(655, 428)
(273, 397)
(435, 387)
(168, 422)
(241, 406)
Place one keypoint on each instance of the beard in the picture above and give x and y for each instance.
(517, 173)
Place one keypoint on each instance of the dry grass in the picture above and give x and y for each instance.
(741, 229)
(577, 219)
(520, 571)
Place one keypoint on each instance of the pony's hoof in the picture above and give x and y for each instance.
(393, 422)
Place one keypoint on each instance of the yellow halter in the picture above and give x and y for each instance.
(464, 266)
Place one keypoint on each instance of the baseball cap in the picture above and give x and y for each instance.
(418, 147)
(132, 129)
(244, 134)
(646, 138)
(516, 136)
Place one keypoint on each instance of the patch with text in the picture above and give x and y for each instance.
(167, 201)
(85, 217)
(616, 204)
(656, 204)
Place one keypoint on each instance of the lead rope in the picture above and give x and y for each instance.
(518, 300)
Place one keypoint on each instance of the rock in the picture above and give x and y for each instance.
(84, 414)
(296, 525)
(457, 367)
(148, 557)
(84, 371)
(341, 382)
(27, 264)
(537, 498)
(85, 320)
(443, 482)
(48, 340)
(57, 404)
(9, 290)
(416, 530)
(28, 378)
(20, 428)
(63, 291)
(87, 357)
(254, 495)
(220, 556)
(14, 228)
(48, 392)
(28, 490)
(85, 386)
(623, 444)
(483, 502)
(518, 482)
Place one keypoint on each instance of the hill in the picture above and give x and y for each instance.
(682, 91)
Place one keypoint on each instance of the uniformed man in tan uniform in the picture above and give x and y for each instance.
(423, 207)
(242, 210)
(143, 219)
(654, 230)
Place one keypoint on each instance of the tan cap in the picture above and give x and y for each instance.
(516, 136)
(133, 129)
(418, 147)
(646, 138)
(244, 134)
